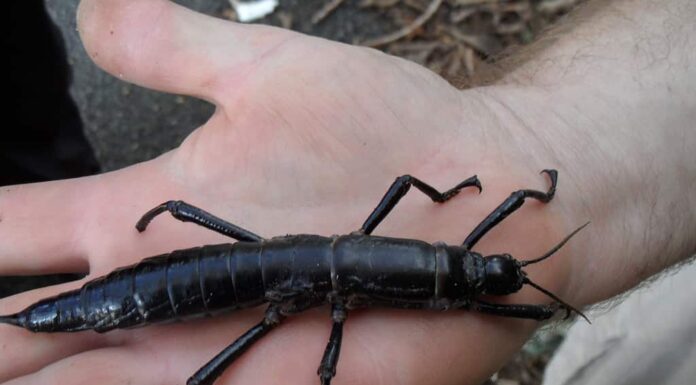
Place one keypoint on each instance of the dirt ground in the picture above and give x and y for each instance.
(452, 37)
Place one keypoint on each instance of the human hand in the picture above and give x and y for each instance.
(307, 136)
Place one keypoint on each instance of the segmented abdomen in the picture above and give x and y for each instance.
(184, 284)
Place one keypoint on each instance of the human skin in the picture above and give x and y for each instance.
(307, 136)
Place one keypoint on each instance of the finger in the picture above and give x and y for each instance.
(161, 45)
(155, 355)
(87, 224)
(106, 366)
(40, 227)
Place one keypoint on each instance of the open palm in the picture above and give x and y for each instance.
(307, 136)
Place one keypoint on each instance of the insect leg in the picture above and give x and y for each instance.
(512, 203)
(214, 368)
(400, 187)
(535, 312)
(188, 213)
(327, 368)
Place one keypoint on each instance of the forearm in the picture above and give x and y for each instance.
(612, 102)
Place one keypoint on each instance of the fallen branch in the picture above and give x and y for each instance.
(326, 11)
(407, 30)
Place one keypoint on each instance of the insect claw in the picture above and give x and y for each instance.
(473, 181)
(148, 216)
(568, 313)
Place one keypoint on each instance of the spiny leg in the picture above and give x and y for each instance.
(512, 203)
(327, 368)
(535, 312)
(214, 368)
(400, 187)
(188, 213)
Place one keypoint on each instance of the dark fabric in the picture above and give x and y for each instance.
(42, 137)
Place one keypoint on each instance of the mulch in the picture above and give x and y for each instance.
(451, 37)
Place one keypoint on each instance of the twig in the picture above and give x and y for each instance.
(484, 43)
(460, 3)
(325, 10)
(407, 30)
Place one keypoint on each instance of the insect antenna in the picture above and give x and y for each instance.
(543, 257)
(568, 307)
(555, 248)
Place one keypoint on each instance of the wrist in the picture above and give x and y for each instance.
(616, 118)
(629, 180)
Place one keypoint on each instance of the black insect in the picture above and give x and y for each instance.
(296, 272)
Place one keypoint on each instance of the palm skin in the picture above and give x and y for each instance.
(307, 136)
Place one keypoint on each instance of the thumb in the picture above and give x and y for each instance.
(161, 45)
